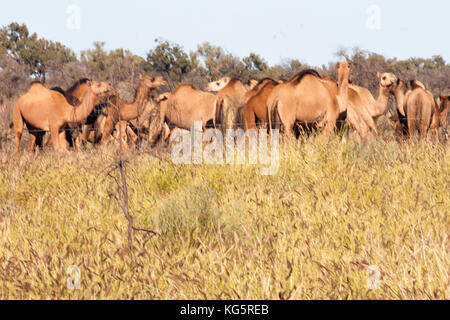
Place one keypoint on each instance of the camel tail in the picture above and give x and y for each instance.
(219, 115)
(272, 106)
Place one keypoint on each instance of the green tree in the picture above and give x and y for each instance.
(217, 63)
(169, 59)
(39, 55)
(114, 66)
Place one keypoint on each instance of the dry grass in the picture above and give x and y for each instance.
(310, 232)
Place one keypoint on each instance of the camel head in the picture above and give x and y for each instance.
(343, 71)
(152, 82)
(387, 80)
(395, 86)
(218, 85)
(343, 67)
(162, 97)
(102, 90)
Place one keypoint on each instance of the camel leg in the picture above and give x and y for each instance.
(133, 137)
(425, 121)
(108, 128)
(37, 138)
(370, 122)
(18, 135)
(56, 138)
(332, 116)
(33, 137)
(412, 123)
(18, 128)
(249, 120)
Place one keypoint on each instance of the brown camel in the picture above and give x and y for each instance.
(417, 107)
(72, 96)
(255, 108)
(231, 96)
(119, 110)
(251, 84)
(137, 129)
(257, 88)
(182, 108)
(79, 134)
(42, 109)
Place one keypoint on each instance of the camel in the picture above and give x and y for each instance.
(119, 110)
(257, 88)
(444, 111)
(137, 129)
(73, 96)
(231, 96)
(251, 84)
(42, 109)
(182, 108)
(376, 107)
(362, 108)
(306, 98)
(309, 99)
(255, 107)
(416, 107)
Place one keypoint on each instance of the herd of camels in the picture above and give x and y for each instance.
(93, 112)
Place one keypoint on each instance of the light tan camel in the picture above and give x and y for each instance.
(42, 109)
(363, 108)
(306, 98)
(182, 108)
(417, 107)
(119, 110)
(231, 97)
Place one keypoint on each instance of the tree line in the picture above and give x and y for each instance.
(25, 57)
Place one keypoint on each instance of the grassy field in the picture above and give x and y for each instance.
(313, 231)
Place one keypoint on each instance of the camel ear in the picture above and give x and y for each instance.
(378, 75)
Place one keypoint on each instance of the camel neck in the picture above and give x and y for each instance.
(400, 93)
(80, 113)
(132, 111)
(381, 102)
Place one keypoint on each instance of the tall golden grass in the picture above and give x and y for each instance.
(310, 232)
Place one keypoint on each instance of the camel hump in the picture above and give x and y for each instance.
(36, 84)
(299, 77)
(184, 86)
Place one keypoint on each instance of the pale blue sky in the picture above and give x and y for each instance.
(310, 31)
